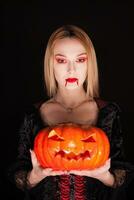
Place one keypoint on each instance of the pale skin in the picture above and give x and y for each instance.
(70, 61)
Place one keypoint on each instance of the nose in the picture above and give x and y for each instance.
(71, 67)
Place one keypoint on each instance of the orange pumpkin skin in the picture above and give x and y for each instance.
(69, 146)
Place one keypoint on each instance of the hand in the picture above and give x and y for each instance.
(94, 173)
(38, 173)
(102, 173)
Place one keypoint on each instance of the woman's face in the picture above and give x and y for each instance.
(70, 63)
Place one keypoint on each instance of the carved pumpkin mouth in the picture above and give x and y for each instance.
(72, 155)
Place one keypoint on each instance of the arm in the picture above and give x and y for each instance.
(111, 123)
(27, 172)
(38, 173)
(18, 171)
(102, 174)
(118, 168)
(111, 174)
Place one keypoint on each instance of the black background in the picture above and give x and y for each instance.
(26, 28)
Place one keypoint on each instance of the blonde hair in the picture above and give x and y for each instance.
(91, 84)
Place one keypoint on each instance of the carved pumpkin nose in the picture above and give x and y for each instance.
(72, 144)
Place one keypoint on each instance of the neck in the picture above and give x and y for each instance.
(71, 98)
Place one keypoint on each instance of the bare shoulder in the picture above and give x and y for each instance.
(93, 105)
(47, 105)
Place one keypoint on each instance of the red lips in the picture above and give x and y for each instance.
(71, 80)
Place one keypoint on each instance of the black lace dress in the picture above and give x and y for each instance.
(89, 188)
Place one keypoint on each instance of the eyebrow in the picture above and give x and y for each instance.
(81, 54)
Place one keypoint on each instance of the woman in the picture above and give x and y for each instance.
(71, 77)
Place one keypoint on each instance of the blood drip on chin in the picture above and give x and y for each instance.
(66, 83)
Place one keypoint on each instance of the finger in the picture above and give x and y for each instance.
(35, 162)
(54, 173)
(78, 172)
(106, 165)
(108, 161)
(104, 168)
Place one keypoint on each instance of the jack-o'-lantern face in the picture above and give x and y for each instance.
(69, 146)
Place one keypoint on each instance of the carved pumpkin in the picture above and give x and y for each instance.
(69, 146)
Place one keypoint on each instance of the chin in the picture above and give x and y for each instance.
(72, 87)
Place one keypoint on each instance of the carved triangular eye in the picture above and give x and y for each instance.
(55, 136)
(90, 138)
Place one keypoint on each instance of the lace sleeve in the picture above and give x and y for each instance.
(18, 171)
(110, 122)
(119, 167)
(119, 175)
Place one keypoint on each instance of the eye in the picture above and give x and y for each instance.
(60, 60)
(55, 136)
(89, 139)
(81, 60)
